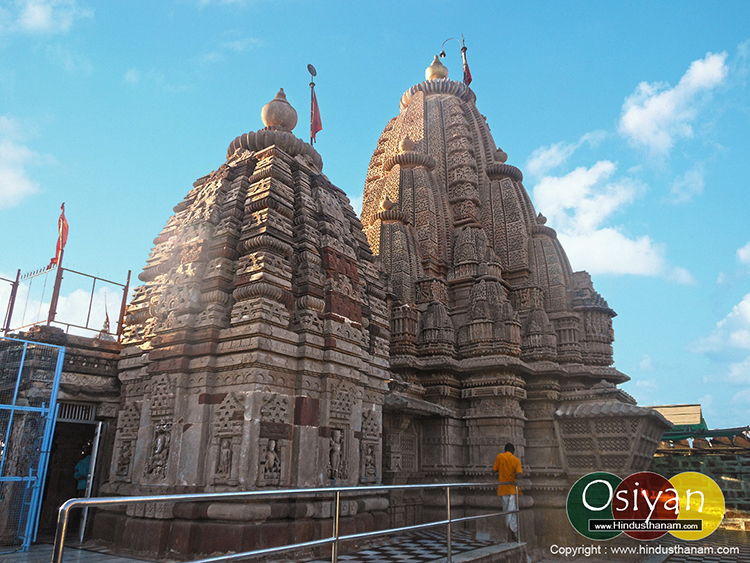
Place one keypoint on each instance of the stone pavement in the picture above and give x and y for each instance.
(429, 547)
(42, 553)
(425, 547)
(420, 547)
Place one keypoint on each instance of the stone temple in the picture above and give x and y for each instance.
(278, 341)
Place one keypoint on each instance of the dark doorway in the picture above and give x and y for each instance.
(71, 443)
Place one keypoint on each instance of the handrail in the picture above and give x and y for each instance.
(334, 540)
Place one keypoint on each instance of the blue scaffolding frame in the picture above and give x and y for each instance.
(31, 402)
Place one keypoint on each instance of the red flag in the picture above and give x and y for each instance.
(315, 123)
(62, 237)
(467, 72)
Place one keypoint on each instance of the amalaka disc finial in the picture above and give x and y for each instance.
(436, 70)
(279, 113)
(406, 144)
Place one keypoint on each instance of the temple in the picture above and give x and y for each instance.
(278, 341)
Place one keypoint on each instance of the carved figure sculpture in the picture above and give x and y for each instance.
(335, 454)
(224, 466)
(369, 469)
(271, 464)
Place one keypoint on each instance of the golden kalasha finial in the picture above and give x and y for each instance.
(436, 70)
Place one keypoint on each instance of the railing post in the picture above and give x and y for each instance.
(518, 518)
(448, 510)
(62, 524)
(335, 548)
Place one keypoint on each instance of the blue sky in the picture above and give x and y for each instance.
(630, 120)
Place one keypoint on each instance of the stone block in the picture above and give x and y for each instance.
(183, 537)
(220, 537)
(146, 535)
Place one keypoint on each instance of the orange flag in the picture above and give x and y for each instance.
(62, 237)
(315, 123)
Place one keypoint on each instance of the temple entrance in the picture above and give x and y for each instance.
(71, 444)
(76, 439)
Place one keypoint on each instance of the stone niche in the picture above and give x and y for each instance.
(256, 357)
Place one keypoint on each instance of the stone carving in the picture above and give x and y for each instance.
(276, 410)
(124, 458)
(270, 464)
(228, 420)
(128, 422)
(337, 460)
(157, 463)
(369, 473)
(342, 402)
(224, 465)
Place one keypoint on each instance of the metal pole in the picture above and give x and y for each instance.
(312, 107)
(91, 301)
(56, 290)
(518, 518)
(90, 480)
(11, 302)
(62, 525)
(335, 547)
(122, 307)
(448, 509)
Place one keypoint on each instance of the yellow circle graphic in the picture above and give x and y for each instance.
(700, 498)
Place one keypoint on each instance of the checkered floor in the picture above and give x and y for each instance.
(417, 547)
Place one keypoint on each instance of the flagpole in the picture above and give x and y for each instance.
(56, 289)
(313, 74)
(62, 238)
(312, 103)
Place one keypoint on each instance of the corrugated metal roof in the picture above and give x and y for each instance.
(680, 415)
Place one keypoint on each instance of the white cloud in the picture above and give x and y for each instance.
(15, 158)
(356, 201)
(646, 364)
(732, 332)
(739, 372)
(647, 385)
(689, 185)
(583, 199)
(132, 76)
(741, 398)
(544, 159)
(32, 304)
(69, 60)
(230, 49)
(579, 204)
(743, 254)
(48, 16)
(655, 115)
